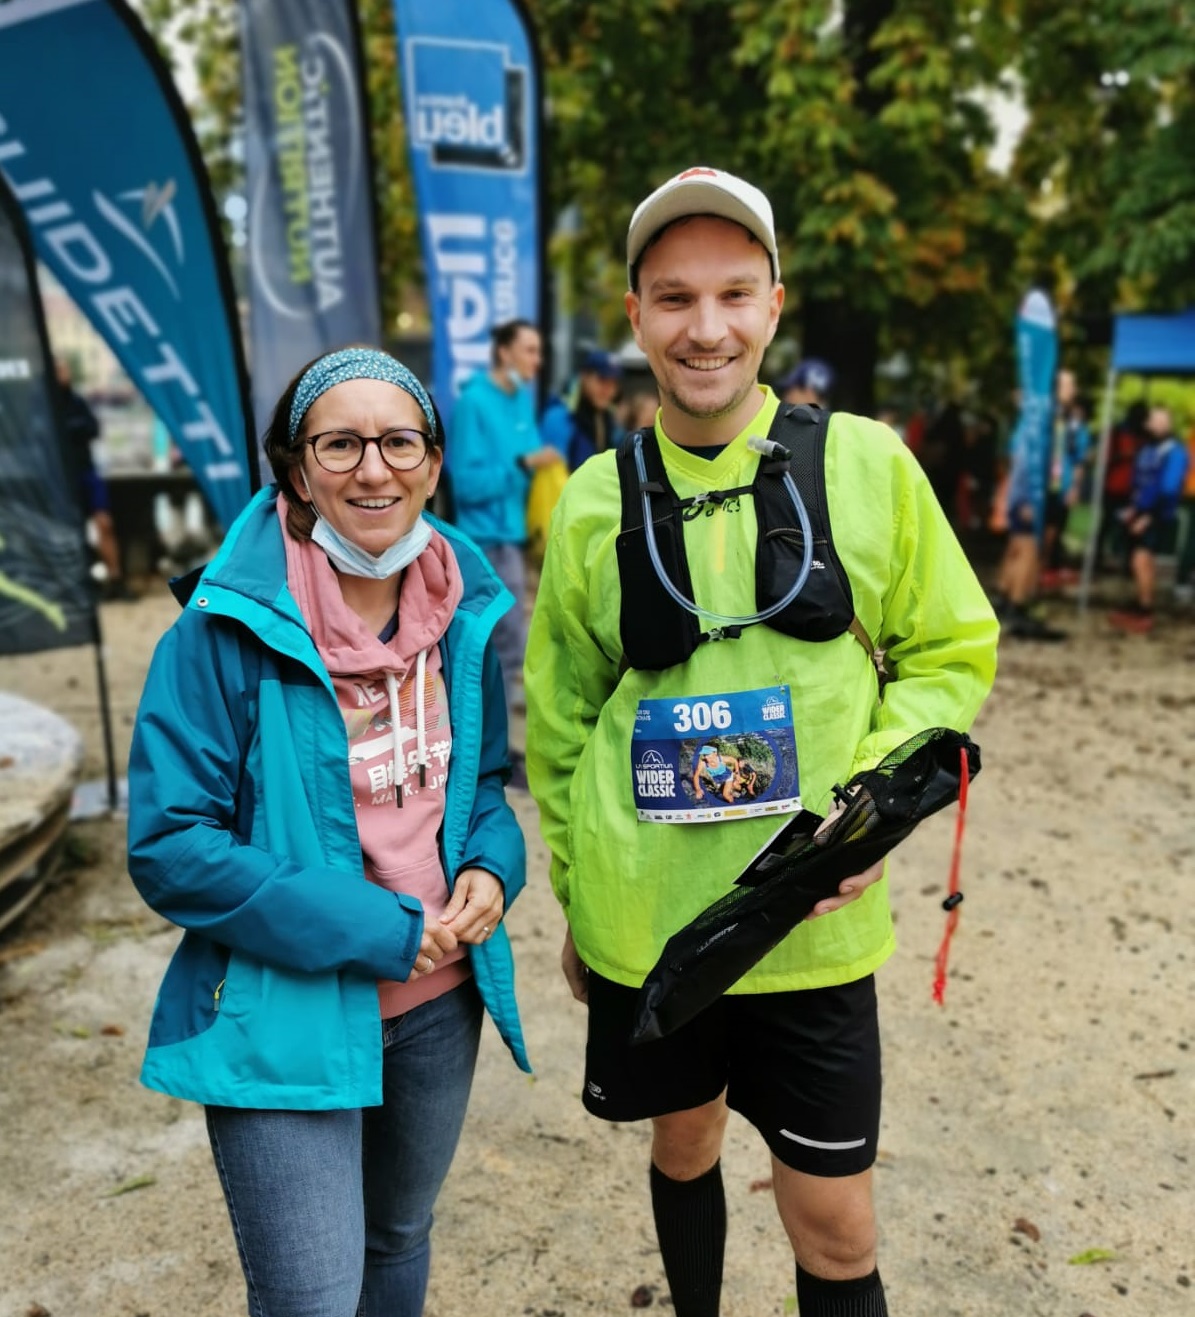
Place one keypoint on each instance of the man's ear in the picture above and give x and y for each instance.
(633, 305)
(776, 304)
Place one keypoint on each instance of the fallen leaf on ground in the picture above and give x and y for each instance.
(1024, 1227)
(137, 1182)
(643, 1296)
(1090, 1255)
(113, 1031)
(760, 1186)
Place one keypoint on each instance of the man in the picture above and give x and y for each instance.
(583, 423)
(1151, 519)
(794, 1046)
(494, 447)
(1020, 567)
(89, 487)
(1068, 465)
(809, 382)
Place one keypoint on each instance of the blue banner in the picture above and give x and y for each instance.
(46, 599)
(471, 87)
(98, 151)
(1037, 359)
(313, 271)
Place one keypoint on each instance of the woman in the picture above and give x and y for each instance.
(316, 798)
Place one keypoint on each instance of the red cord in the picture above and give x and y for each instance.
(955, 865)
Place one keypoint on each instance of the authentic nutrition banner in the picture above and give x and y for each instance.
(46, 600)
(98, 150)
(313, 270)
(471, 88)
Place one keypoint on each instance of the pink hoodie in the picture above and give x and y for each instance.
(381, 685)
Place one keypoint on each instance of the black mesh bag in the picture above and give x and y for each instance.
(795, 871)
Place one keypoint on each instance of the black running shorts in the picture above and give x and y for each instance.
(802, 1067)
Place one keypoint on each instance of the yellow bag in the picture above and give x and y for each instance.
(546, 484)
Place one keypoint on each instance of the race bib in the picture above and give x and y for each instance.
(715, 758)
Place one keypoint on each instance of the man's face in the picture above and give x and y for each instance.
(524, 355)
(1159, 422)
(705, 312)
(1066, 387)
(600, 391)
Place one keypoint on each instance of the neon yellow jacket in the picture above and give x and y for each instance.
(627, 886)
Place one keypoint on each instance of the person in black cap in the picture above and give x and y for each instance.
(809, 381)
(583, 422)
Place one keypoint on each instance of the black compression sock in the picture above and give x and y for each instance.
(863, 1297)
(691, 1227)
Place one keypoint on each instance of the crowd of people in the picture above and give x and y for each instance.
(321, 759)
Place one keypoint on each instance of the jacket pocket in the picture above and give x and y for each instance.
(188, 1000)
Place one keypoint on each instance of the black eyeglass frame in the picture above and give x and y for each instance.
(429, 443)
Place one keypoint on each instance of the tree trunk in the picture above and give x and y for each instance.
(835, 331)
(849, 341)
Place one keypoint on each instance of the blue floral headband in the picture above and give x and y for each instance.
(354, 364)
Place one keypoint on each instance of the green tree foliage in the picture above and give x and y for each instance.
(862, 121)
(867, 122)
(1110, 149)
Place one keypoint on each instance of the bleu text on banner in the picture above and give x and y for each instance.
(99, 152)
(313, 271)
(46, 601)
(471, 91)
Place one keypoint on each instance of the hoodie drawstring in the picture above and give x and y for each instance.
(421, 759)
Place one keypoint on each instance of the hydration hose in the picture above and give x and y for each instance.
(768, 449)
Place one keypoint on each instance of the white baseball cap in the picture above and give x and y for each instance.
(702, 191)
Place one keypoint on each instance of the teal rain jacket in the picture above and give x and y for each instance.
(242, 831)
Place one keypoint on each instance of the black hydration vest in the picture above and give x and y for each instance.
(656, 631)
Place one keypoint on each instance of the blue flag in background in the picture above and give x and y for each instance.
(471, 87)
(1037, 358)
(99, 153)
(313, 270)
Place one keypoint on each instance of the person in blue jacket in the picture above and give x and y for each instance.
(316, 797)
(583, 424)
(496, 445)
(1151, 518)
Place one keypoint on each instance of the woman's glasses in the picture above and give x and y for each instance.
(340, 451)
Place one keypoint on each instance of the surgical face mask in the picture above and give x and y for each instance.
(353, 560)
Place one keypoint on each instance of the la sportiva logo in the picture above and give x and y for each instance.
(467, 105)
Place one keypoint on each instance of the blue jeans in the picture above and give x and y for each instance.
(332, 1210)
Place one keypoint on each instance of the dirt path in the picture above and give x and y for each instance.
(1047, 1111)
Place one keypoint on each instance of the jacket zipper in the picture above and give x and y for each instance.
(216, 995)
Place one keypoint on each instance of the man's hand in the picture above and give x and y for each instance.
(576, 972)
(850, 889)
(476, 908)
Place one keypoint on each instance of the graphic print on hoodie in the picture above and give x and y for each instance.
(381, 684)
